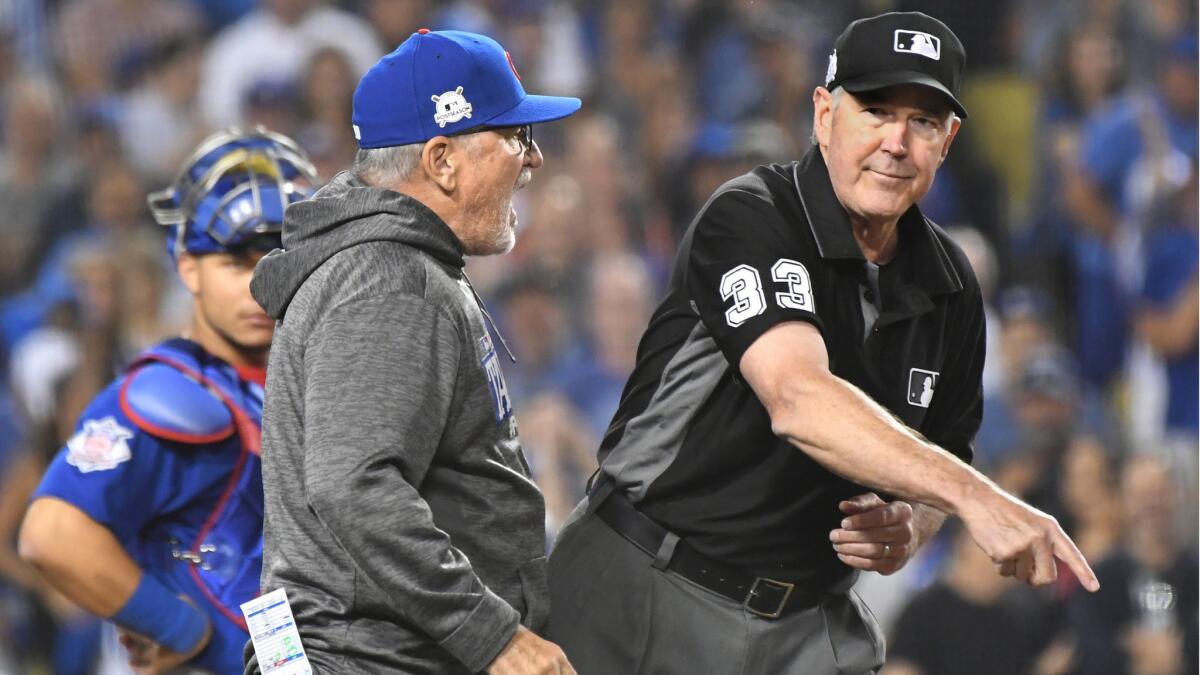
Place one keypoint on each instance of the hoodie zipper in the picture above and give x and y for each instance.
(491, 322)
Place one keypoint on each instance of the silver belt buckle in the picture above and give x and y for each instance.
(787, 593)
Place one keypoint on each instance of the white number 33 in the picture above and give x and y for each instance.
(743, 285)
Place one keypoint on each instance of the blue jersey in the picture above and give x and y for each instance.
(1171, 264)
(167, 458)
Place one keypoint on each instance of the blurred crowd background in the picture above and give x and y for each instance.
(1073, 187)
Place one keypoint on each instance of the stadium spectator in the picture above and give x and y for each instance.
(620, 300)
(595, 155)
(34, 171)
(561, 447)
(1087, 71)
(1044, 402)
(1167, 318)
(163, 106)
(93, 37)
(1133, 153)
(983, 261)
(715, 152)
(974, 621)
(272, 45)
(327, 88)
(1088, 492)
(1144, 619)
(1021, 326)
(114, 217)
(395, 20)
(531, 315)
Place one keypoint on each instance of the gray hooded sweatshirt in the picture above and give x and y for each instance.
(400, 513)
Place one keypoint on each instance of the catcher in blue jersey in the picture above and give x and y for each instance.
(151, 516)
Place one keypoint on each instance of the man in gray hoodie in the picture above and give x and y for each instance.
(400, 514)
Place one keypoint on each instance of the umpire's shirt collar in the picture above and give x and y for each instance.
(931, 269)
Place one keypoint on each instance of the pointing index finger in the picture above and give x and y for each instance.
(1066, 551)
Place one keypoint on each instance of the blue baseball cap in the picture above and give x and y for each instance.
(439, 83)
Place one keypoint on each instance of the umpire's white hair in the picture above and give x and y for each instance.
(837, 100)
(838, 93)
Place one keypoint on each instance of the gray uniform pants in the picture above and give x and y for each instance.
(613, 613)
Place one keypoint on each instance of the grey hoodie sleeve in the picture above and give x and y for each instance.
(378, 391)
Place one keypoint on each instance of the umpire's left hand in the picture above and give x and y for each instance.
(875, 535)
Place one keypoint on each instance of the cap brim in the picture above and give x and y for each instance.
(897, 77)
(536, 108)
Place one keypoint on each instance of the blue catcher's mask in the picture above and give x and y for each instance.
(232, 192)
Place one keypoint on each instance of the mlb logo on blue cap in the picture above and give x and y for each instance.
(446, 82)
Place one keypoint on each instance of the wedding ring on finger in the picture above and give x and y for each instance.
(887, 551)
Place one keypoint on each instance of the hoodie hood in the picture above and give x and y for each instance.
(344, 213)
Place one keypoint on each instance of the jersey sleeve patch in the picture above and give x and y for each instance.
(744, 287)
(168, 404)
(748, 271)
(100, 445)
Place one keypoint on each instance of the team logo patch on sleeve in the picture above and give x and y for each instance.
(495, 378)
(99, 446)
(921, 384)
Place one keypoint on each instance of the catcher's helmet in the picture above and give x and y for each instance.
(232, 191)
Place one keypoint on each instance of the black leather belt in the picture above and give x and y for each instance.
(768, 598)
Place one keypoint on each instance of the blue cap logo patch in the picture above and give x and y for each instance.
(452, 106)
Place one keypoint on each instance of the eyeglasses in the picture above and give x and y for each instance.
(524, 134)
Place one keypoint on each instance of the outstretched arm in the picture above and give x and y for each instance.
(850, 434)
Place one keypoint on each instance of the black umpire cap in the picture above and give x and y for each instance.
(898, 48)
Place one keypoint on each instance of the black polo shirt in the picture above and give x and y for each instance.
(691, 443)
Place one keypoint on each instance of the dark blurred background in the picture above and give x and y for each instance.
(1072, 186)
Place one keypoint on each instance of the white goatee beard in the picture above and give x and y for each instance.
(506, 240)
(495, 233)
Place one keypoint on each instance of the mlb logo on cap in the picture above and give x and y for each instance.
(442, 83)
(898, 48)
(916, 42)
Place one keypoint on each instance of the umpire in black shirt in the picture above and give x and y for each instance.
(820, 339)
